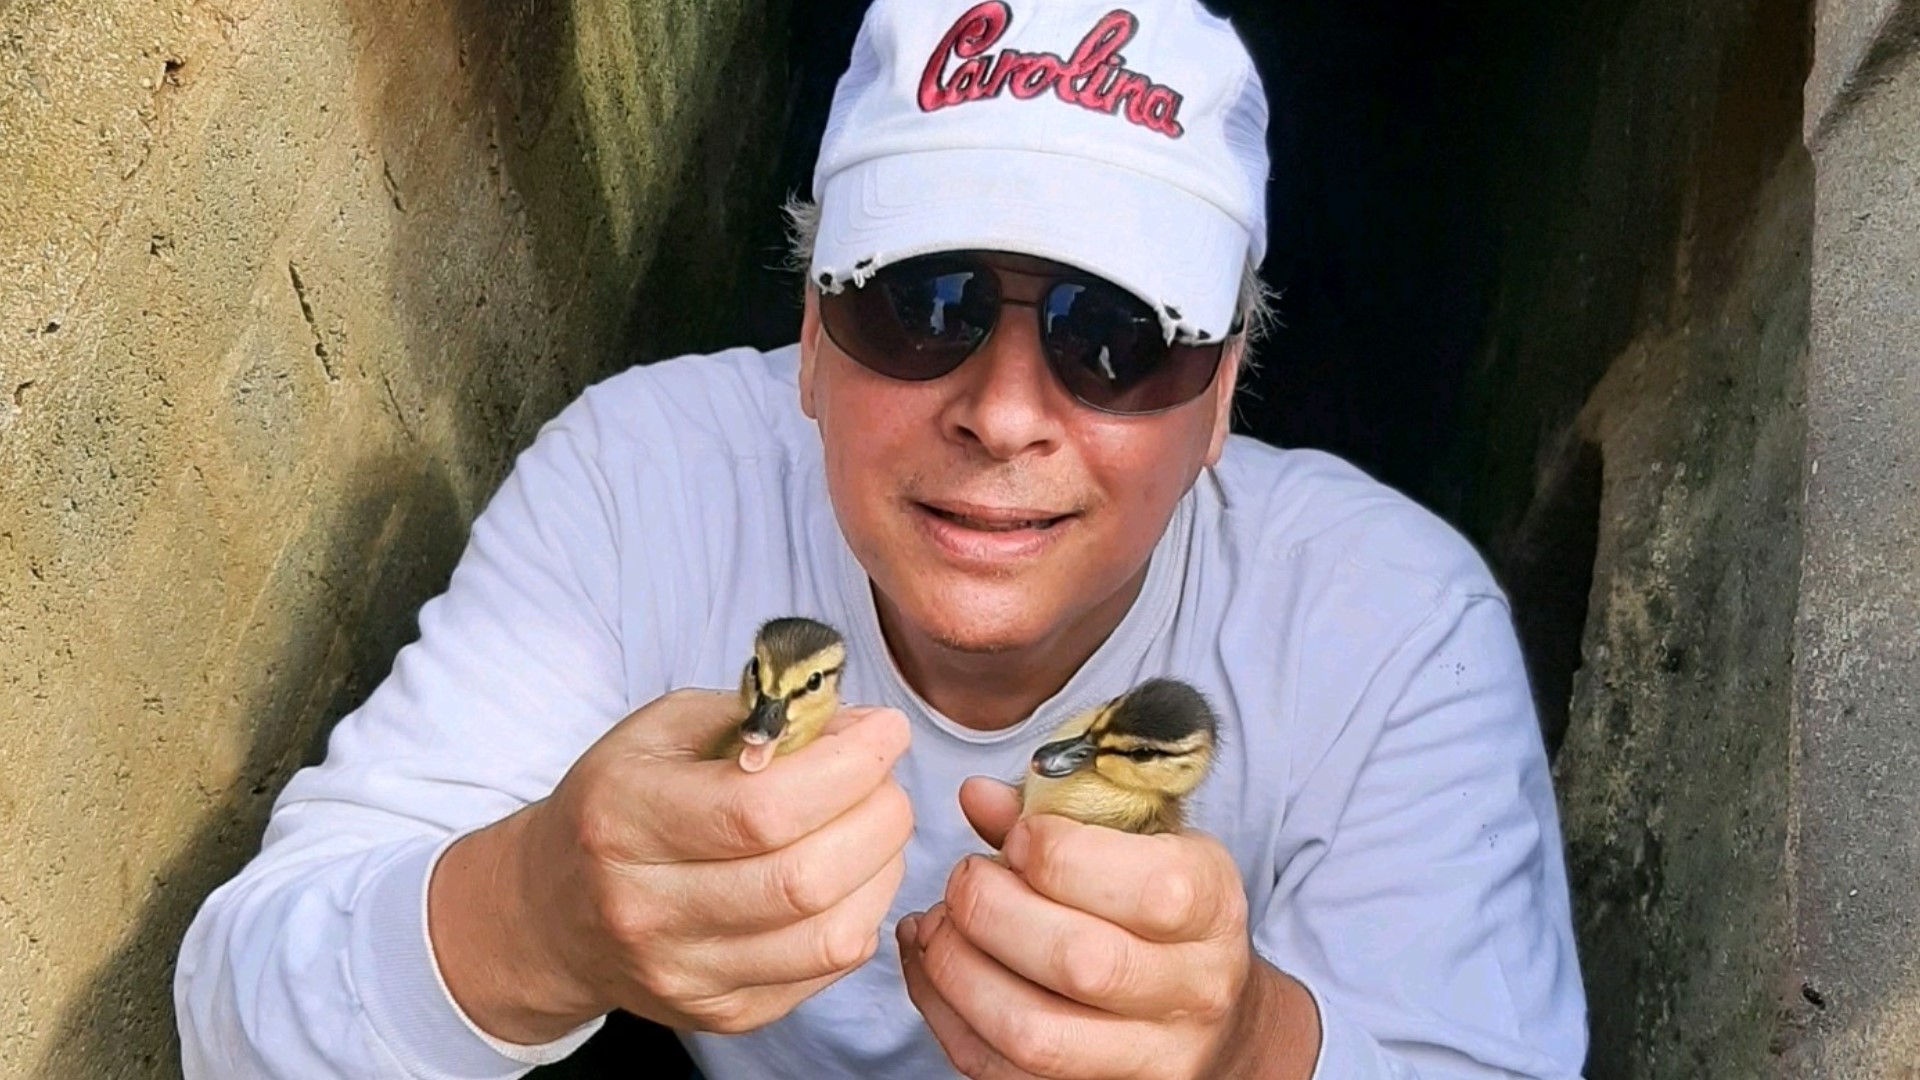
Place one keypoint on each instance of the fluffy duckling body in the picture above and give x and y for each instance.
(789, 690)
(1128, 764)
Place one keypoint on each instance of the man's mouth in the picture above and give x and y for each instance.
(986, 520)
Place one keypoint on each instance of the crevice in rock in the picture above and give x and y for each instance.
(1547, 568)
(306, 312)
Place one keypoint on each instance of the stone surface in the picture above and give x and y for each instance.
(1859, 41)
(1674, 777)
(1638, 418)
(283, 287)
(1857, 838)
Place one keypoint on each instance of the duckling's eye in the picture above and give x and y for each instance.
(1143, 753)
(813, 682)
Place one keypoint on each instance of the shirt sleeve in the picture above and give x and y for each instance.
(1426, 908)
(315, 960)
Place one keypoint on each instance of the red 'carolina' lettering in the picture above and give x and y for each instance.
(1095, 77)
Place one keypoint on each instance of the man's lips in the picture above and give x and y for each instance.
(996, 539)
(994, 518)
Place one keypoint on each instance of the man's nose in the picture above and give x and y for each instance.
(1007, 401)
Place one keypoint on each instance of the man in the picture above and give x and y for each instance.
(998, 460)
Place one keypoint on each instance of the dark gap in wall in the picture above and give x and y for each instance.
(1547, 569)
(820, 37)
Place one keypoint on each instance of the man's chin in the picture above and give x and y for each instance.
(978, 641)
(981, 622)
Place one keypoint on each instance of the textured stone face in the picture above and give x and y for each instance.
(283, 287)
(1674, 776)
(1858, 665)
(1640, 420)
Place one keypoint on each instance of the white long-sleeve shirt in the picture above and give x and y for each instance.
(1381, 782)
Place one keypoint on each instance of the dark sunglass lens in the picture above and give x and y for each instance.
(1109, 351)
(916, 319)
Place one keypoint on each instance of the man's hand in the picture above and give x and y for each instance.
(685, 891)
(1095, 954)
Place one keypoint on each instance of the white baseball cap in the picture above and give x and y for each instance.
(1128, 142)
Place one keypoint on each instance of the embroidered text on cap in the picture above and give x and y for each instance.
(1094, 78)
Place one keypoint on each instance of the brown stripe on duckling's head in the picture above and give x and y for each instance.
(1162, 711)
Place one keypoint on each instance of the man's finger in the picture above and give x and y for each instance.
(799, 881)
(1074, 954)
(965, 1049)
(991, 807)
(1031, 1027)
(849, 716)
(683, 724)
(719, 811)
(835, 941)
(680, 725)
(1168, 887)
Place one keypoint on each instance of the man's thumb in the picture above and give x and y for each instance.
(991, 807)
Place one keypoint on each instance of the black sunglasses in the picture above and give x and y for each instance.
(920, 318)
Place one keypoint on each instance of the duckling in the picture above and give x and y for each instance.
(1128, 764)
(790, 689)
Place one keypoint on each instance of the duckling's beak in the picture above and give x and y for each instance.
(1058, 759)
(767, 720)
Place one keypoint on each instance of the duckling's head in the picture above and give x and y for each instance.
(1157, 738)
(793, 679)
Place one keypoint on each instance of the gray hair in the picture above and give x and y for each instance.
(1256, 299)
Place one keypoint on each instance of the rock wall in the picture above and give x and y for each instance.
(283, 287)
(1636, 454)
(1856, 838)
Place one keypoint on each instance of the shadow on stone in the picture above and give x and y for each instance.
(638, 143)
(395, 544)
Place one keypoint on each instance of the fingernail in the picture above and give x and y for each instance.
(1015, 848)
(908, 929)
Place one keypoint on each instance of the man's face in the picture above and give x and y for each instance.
(992, 510)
